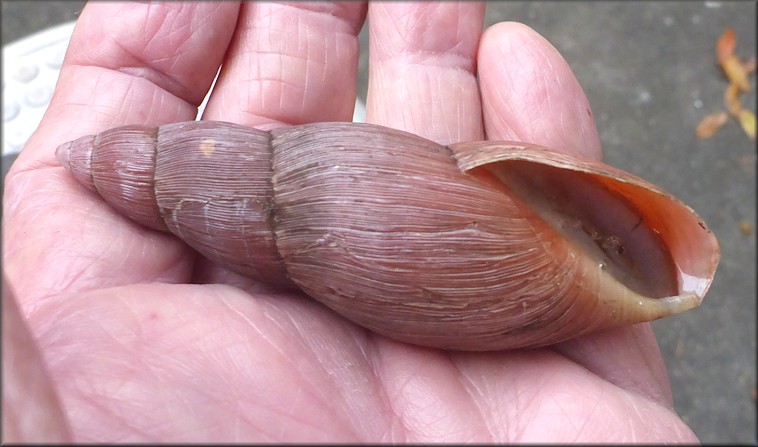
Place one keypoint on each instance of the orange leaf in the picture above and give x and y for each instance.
(749, 65)
(725, 45)
(732, 99)
(710, 124)
(746, 227)
(747, 121)
(736, 73)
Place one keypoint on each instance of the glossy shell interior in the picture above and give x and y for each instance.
(644, 245)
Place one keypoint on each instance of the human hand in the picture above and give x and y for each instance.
(144, 341)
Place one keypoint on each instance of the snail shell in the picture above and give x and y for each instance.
(472, 246)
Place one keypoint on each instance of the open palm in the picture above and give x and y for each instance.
(145, 341)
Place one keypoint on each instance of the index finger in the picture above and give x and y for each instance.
(134, 63)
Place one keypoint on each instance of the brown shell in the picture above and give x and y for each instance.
(476, 246)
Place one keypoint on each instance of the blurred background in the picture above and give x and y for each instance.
(650, 72)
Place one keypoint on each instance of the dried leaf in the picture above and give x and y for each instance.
(749, 65)
(747, 121)
(725, 45)
(746, 227)
(710, 124)
(732, 99)
(736, 73)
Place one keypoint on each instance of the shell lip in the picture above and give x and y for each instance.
(694, 248)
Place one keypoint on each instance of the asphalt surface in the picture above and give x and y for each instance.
(649, 71)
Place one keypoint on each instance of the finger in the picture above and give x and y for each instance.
(529, 92)
(290, 63)
(422, 67)
(151, 64)
(31, 408)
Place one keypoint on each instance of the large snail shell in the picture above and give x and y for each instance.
(475, 246)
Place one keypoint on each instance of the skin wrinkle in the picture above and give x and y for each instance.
(509, 49)
(644, 413)
(260, 333)
(521, 404)
(391, 403)
(110, 414)
(515, 431)
(544, 405)
(322, 399)
(412, 414)
(51, 291)
(526, 406)
(426, 428)
(261, 21)
(476, 395)
(173, 35)
(150, 37)
(429, 60)
(371, 355)
(432, 75)
(274, 409)
(31, 402)
(466, 385)
(397, 27)
(500, 123)
(157, 103)
(168, 16)
(580, 430)
(630, 424)
(308, 62)
(146, 69)
(325, 62)
(567, 415)
(404, 49)
(416, 379)
(422, 25)
(17, 204)
(325, 398)
(128, 97)
(251, 408)
(97, 76)
(101, 110)
(34, 212)
(329, 14)
(268, 429)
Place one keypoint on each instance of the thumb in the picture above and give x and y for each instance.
(31, 409)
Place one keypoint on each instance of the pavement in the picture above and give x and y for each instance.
(649, 71)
